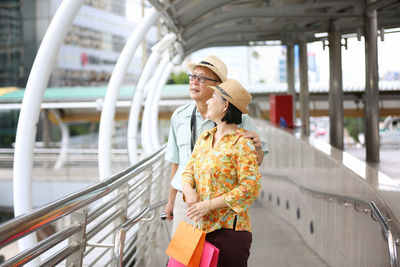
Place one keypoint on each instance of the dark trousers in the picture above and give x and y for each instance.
(234, 246)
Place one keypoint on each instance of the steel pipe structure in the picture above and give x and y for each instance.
(304, 94)
(108, 112)
(64, 140)
(371, 86)
(30, 109)
(133, 123)
(147, 143)
(335, 90)
(154, 107)
(290, 77)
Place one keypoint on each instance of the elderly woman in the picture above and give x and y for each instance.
(222, 179)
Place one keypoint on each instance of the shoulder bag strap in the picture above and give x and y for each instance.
(193, 128)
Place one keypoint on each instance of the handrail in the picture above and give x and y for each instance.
(38, 218)
(371, 204)
(121, 234)
(388, 234)
(312, 191)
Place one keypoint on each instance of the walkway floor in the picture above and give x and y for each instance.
(389, 159)
(275, 244)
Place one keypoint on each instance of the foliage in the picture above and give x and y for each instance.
(80, 129)
(8, 127)
(178, 78)
(354, 126)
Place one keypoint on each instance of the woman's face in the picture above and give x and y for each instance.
(216, 107)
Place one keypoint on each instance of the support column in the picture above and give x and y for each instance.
(371, 87)
(304, 96)
(335, 90)
(290, 77)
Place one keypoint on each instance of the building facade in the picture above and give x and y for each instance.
(90, 49)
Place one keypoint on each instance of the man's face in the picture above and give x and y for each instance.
(198, 90)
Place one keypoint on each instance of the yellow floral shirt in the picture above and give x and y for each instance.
(230, 170)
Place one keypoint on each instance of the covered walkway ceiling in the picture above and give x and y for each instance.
(207, 23)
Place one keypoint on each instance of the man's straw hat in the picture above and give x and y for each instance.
(235, 93)
(213, 63)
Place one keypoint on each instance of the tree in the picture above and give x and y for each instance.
(178, 78)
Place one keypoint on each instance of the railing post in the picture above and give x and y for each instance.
(78, 217)
(123, 204)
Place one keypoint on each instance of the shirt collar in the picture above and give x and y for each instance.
(188, 114)
(212, 131)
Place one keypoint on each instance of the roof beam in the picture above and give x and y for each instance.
(258, 13)
(201, 9)
(270, 28)
(380, 4)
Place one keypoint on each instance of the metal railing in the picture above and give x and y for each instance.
(369, 207)
(387, 232)
(120, 240)
(95, 215)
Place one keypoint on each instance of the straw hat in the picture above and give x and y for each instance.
(213, 63)
(234, 92)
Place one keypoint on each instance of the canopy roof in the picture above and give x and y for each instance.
(206, 23)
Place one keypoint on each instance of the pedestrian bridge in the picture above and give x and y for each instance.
(318, 206)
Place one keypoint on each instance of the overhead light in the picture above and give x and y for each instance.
(320, 34)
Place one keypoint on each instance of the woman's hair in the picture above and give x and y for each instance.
(232, 115)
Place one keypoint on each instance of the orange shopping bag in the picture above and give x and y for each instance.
(187, 244)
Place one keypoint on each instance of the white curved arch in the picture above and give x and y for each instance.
(178, 52)
(108, 112)
(155, 137)
(30, 109)
(137, 105)
(139, 95)
(64, 140)
(147, 143)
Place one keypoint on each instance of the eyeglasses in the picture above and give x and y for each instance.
(201, 79)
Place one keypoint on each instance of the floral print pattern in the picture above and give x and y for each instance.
(228, 169)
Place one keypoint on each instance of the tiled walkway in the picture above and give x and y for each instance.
(277, 244)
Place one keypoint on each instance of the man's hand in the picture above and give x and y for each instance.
(257, 143)
(254, 137)
(169, 210)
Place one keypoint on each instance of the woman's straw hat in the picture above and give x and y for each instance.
(235, 93)
(213, 63)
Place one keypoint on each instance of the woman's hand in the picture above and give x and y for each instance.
(198, 210)
(191, 196)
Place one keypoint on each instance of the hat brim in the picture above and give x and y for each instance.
(192, 66)
(240, 107)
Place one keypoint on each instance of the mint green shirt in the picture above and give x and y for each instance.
(178, 147)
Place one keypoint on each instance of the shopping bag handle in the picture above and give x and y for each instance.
(194, 223)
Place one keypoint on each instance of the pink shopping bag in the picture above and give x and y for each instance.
(209, 257)
(174, 263)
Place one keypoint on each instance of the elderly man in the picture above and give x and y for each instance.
(188, 122)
